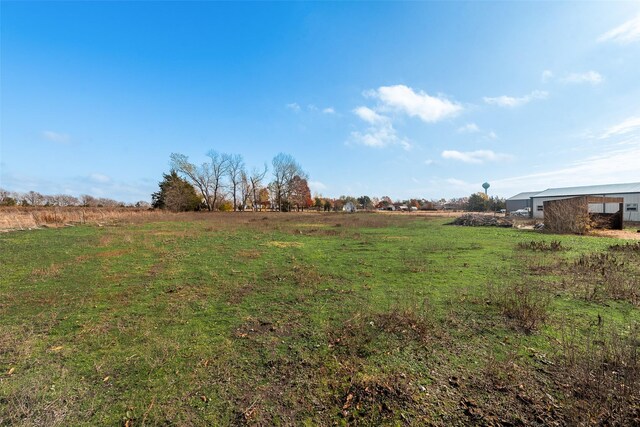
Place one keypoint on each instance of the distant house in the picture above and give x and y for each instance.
(520, 201)
(349, 207)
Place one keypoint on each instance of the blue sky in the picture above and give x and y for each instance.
(401, 99)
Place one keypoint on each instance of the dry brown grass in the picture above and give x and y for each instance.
(320, 223)
(601, 370)
(525, 304)
(21, 218)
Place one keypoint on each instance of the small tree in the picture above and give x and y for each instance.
(285, 168)
(175, 194)
(478, 202)
(300, 193)
(365, 202)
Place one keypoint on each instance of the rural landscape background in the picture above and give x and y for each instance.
(293, 213)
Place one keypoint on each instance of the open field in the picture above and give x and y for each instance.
(316, 319)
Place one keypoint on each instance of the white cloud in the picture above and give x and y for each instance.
(98, 177)
(380, 135)
(510, 101)
(457, 182)
(613, 166)
(629, 125)
(592, 77)
(370, 116)
(404, 99)
(546, 76)
(478, 156)
(329, 110)
(61, 138)
(616, 160)
(428, 162)
(317, 186)
(469, 128)
(294, 107)
(625, 33)
(492, 135)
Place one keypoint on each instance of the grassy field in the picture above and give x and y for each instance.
(316, 319)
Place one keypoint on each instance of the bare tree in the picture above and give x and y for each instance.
(200, 176)
(34, 198)
(88, 201)
(245, 189)
(285, 168)
(8, 198)
(207, 177)
(255, 180)
(235, 170)
(66, 200)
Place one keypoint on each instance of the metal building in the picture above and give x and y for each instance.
(520, 201)
(629, 192)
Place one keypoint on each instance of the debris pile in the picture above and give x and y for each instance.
(479, 220)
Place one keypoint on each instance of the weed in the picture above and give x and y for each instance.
(601, 369)
(542, 246)
(601, 276)
(526, 304)
(627, 247)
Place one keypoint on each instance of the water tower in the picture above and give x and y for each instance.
(486, 187)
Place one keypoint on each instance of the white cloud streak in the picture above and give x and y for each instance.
(627, 126)
(616, 161)
(469, 128)
(317, 186)
(623, 34)
(370, 116)
(294, 106)
(60, 138)
(511, 101)
(476, 157)
(329, 110)
(98, 177)
(591, 77)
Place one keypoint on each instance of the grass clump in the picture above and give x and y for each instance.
(525, 304)
(542, 246)
(600, 368)
(604, 276)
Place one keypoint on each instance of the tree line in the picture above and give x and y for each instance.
(223, 183)
(34, 198)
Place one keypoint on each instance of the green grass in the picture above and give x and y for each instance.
(281, 319)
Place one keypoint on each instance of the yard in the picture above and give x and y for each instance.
(316, 319)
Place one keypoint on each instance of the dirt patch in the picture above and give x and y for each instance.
(619, 234)
(49, 272)
(240, 292)
(113, 254)
(249, 254)
(276, 244)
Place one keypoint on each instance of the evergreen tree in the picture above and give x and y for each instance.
(175, 194)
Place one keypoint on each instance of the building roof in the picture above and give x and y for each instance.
(591, 190)
(523, 196)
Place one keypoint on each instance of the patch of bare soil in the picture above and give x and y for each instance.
(619, 234)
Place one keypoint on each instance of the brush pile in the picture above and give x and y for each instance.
(480, 220)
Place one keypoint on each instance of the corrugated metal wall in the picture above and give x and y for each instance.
(629, 199)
